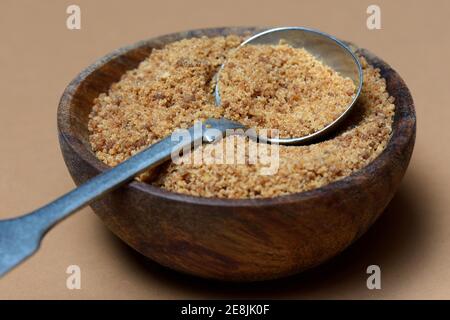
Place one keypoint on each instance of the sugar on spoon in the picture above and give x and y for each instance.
(20, 237)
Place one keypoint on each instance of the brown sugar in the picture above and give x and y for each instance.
(173, 87)
(266, 86)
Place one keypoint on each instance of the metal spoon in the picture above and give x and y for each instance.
(20, 237)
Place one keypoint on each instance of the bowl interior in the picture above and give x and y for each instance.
(77, 101)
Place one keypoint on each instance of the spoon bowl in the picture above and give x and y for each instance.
(326, 48)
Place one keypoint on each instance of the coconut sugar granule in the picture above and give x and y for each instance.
(278, 86)
(173, 87)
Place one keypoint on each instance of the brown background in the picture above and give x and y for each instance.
(39, 56)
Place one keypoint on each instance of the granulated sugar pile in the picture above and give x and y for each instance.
(174, 86)
(284, 88)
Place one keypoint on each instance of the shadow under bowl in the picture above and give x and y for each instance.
(233, 239)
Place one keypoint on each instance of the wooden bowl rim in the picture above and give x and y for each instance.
(402, 130)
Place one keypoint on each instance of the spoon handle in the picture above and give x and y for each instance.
(20, 237)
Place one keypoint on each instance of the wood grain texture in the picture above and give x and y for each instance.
(234, 240)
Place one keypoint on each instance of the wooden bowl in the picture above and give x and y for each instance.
(242, 239)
